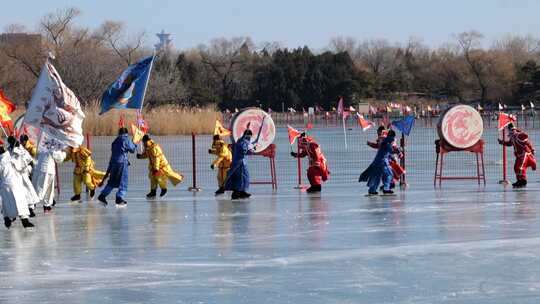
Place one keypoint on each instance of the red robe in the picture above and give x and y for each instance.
(318, 167)
(524, 152)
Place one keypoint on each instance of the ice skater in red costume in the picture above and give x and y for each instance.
(318, 168)
(524, 152)
(397, 170)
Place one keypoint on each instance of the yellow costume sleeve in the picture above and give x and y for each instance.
(155, 155)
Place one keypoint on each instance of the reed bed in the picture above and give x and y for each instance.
(163, 120)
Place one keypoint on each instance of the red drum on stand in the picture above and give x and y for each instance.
(254, 117)
(461, 126)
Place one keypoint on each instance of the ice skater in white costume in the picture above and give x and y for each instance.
(44, 176)
(23, 162)
(12, 192)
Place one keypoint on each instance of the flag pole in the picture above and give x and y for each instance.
(344, 131)
(148, 79)
(145, 88)
(4, 130)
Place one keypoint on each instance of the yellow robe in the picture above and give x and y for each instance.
(84, 171)
(158, 162)
(223, 160)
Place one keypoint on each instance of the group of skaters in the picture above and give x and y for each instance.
(28, 176)
(383, 174)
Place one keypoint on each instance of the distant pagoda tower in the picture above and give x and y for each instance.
(165, 42)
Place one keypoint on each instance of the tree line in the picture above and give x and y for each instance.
(236, 72)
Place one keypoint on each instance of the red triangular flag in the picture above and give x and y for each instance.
(293, 134)
(505, 119)
(364, 123)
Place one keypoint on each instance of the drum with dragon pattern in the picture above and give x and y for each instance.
(461, 126)
(254, 119)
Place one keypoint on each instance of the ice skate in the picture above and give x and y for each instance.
(26, 223)
(92, 194)
(388, 193)
(120, 202)
(375, 193)
(519, 184)
(236, 195)
(47, 209)
(219, 191)
(151, 195)
(7, 222)
(32, 213)
(102, 199)
(163, 193)
(314, 189)
(76, 198)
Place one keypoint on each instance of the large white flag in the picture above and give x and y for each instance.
(55, 109)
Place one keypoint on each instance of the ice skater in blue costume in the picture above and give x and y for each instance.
(380, 168)
(238, 174)
(117, 172)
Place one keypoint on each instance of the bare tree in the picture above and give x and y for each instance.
(343, 44)
(226, 59)
(470, 43)
(127, 47)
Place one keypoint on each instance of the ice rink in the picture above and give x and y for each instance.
(461, 244)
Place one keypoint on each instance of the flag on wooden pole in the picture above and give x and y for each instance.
(220, 130)
(293, 134)
(505, 119)
(364, 123)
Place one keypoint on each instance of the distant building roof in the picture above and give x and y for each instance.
(20, 39)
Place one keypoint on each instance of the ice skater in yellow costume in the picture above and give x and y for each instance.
(28, 145)
(222, 162)
(159, 169)
(84, 172)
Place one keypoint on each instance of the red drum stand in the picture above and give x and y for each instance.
(442, 148)
(269, 152)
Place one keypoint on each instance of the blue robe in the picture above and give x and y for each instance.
(238, 174)
(380, 167)
(118, 165)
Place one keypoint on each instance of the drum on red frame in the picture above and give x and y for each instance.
(461, 126)
(254, 118)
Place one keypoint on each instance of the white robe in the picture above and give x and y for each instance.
(22, 161)
(12, 191)
(44, 176)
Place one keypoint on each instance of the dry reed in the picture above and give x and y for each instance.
(163, 120)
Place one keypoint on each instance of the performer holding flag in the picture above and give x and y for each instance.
(118, 171)
(126, 92)
(380, 168)
(524, 152)
(318, 168)
(397, 170)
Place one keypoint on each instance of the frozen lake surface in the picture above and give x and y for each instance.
(461, 244)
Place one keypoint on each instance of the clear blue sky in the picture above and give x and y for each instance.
(295, 22)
